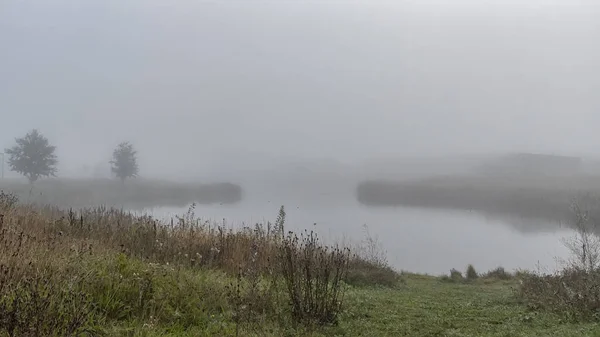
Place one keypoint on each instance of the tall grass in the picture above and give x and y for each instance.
(67, 273)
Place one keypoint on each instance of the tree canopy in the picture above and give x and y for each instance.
(124, 162)
(32, 156)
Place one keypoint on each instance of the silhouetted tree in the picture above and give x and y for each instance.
(32, 156)
(124, 163)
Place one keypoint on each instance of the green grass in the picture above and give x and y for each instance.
(418, 306)
(424, 306)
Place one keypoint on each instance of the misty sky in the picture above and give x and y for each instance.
(193, 82)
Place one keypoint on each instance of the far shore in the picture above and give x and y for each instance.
(134, 194)
(534, 197)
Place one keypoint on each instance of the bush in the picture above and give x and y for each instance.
(313, 276)
(364, 273)
(454, 277)
(499, 273)
(573, 293)
(471, 273)
(369, 265)
(521, 274)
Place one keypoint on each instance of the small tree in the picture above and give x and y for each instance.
(33, 156)
(471, 273)
(124, 163)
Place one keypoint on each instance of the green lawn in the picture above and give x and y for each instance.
(425, 306)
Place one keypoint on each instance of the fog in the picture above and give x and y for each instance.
(301, 102)
(208, 88)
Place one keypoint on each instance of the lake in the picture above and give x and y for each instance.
(415, 239)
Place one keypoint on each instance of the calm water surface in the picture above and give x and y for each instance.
(417, 240)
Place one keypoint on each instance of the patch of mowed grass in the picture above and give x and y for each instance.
(426, 307)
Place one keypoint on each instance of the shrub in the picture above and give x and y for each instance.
(499, 273)
(454, 277)
(573, 293)
(313, 276)
(364, 273)
(471, 273)
(369, 265)
(521, 274)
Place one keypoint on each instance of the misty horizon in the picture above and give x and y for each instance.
(199, 87)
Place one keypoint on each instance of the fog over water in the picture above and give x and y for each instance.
(300, 101)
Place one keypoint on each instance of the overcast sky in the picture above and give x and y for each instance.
(192, 82)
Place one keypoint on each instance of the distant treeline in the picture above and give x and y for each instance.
(532, 199)
(134, 194)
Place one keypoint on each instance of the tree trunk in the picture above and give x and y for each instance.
(31, 181)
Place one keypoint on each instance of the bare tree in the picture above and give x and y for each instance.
(32, 156)
(585, 244)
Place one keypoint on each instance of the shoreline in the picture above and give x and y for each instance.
(134, 194)
(543, 198)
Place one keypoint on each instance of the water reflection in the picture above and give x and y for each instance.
(418, 240)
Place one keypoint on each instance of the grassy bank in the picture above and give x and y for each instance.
(535, 197)
(135, 194)
(105, 272)
(102, 272)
